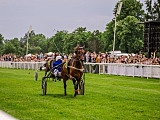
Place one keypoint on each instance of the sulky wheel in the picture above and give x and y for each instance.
(82, 87)
(44, 86)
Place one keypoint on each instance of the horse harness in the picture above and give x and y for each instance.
(70, 65)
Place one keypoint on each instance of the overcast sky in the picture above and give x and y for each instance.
(16, 16)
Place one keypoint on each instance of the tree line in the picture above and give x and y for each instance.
(129, 33)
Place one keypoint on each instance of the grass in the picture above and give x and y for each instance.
(106, 97)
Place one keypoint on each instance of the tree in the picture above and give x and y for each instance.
(78, 36)
(95, 42)
(23, 40)
(108, 36)
(149, 15)
(68, 43)
(131, 39)
(156, 10)
(9, 47)
(129, 8)
(37, 43)
(57, 41)
(42, 43)
(16, 43)
(1, 44)
(153, 10)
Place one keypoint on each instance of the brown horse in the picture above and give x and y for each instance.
(73, 69)
(49, 63)
(48, 66)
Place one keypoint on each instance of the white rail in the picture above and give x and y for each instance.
(140, 70)
(21, 65)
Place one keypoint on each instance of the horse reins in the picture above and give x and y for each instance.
(81, 70)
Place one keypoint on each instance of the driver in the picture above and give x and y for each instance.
(56, 66)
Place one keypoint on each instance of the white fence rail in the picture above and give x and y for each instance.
(140, 70)
(21, 65)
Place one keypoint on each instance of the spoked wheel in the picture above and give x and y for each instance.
(44, 86)
(81, 87)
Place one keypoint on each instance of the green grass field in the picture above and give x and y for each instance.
(106, 97)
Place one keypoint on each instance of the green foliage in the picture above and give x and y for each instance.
(130, 8)
(58, 41)
(106, 97)
(9, 47)
(130, 35)
(16, 44)
(1, 39)
(156, 10)
(37, 43)
(78, 36)
(108, 36)
(153, 11)
(95, 41)
(1, 44)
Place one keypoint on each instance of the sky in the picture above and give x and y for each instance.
(49, 16)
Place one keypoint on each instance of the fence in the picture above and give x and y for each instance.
(140, 70)
(21, 65)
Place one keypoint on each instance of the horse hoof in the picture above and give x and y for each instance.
(76, 93)
(65, 94)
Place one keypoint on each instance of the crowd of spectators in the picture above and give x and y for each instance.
(130, 59)
(18, 58)
(91, 57)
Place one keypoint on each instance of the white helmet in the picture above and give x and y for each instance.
(58, 57)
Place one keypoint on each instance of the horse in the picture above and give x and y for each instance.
(49, 63)
(73, 70)
(48, 66)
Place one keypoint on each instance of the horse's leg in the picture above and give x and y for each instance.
(46, 70)
(79, 85)
(75, 84)
(45, 73)
(75, 87)
(65, 86)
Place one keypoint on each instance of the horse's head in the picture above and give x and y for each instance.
(79, 51)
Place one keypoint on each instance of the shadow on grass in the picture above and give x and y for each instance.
(58, 96)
